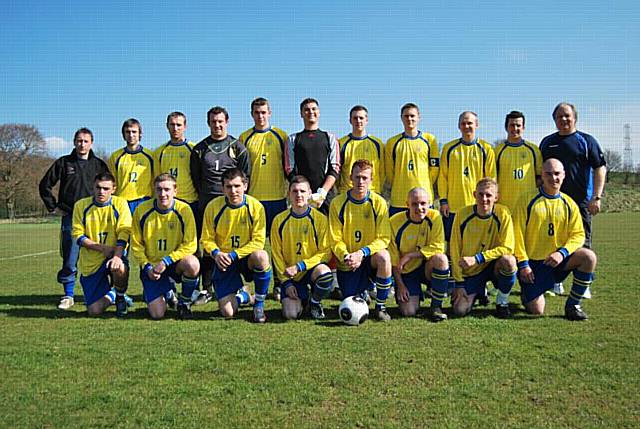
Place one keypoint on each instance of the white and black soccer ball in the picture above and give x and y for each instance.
(353, 311)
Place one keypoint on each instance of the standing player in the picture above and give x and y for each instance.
(314, 154)
(417, 255)
(300, 249)
(549, 239)
(359, 230)
(411, 159)
(101, 226)
(266, 146)
(132, 166)
(482, 243)
(584, 166)
(518, 163)
(360, 145)
(174, 157)
(163, 242)
(463, 163)
(76, 173)
(233, 233)
(210, 158)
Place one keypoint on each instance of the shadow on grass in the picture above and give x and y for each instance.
(53, 300)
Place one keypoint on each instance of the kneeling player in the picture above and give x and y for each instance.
(233, 233)
(101, 226)
(417, 255)
(359, 228)
(482, 249)
(300, 249)
(549, 239)
(163, 242)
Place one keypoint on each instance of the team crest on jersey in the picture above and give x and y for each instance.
(139, 163)
(172, 225)
(182, 155)
(305, 230)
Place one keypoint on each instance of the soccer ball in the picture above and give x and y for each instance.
(353, 310)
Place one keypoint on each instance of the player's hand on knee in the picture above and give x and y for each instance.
(291, 271)
(291, 292)
(402, 294)
(223, 260)
(526, 275)
(554, 259)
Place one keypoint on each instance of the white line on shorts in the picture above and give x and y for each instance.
(28, 256)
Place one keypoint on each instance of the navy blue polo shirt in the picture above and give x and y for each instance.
(579, 153)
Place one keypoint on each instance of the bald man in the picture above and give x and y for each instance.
(549, 239)
(417, 255)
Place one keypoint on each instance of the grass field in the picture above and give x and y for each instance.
(63, 369)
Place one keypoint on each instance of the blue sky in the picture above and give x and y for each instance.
(68, 64)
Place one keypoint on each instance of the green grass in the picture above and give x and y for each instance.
(64, 369)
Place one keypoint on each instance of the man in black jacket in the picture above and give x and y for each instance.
(76, 173)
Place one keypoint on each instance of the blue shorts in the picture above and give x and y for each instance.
(476, 284)
(98, 284)
(135, 203)
(271, 209)
(393, 210)
(302, 286)
(447, 222)
(353, 283)
(414, 281)
(153, 289)
(230, 281)
(544, 279)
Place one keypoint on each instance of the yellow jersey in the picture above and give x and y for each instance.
(426, 237)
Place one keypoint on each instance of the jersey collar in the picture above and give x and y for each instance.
(471, 143)
(520, 143)
(129, 151)
(408, 137)
(231, 206)
(266, 130)
(163, 211)
(300, 216)
(364, 137)
(550, 196)
(355, 201)
(182, 143)
(105, 204)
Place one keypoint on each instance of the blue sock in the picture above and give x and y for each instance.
(261, 280)
(581, 281)
(382, 291)
(439, 284)
(506, 281)
(451, 285)
(189, 284)
(111, 296)
(322, 288)
(242, 297)
(68, 288)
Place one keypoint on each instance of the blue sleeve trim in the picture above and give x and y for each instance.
(301, 266)
(480, 258)
(366, 251)
(233, 255)
(121, 243)
(215, 252)
(564, 252)
(523, 264)
(167, 261)
(147, 268)
(459, 285)
(444, 201)
(81, 239)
